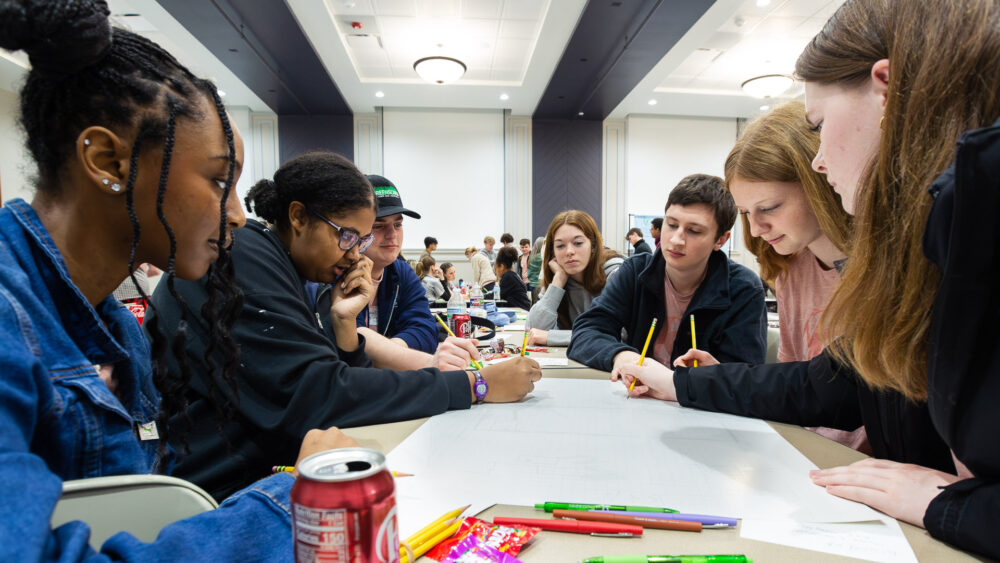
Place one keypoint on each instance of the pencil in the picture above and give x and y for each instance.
(450, 333)
(425, 531)
(645, 347)
(524, 343)
(433, 541)
(694, 341)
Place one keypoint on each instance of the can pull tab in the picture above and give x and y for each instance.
(147, 430)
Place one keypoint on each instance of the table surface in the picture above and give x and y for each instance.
(554, 546)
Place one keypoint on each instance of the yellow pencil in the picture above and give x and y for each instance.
(645, 347)
(524, 343)
(430, 543)
(694, 341)
(450, 333)
(427, 530)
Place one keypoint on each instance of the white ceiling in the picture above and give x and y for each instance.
(511, 47)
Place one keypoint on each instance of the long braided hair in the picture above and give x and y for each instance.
(85, 72)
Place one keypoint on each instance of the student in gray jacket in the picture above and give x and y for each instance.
(576, 268)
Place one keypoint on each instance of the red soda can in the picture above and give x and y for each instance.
(463, 325)
(344, 508)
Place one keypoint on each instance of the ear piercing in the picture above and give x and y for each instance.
(86, 142)
(116, 187)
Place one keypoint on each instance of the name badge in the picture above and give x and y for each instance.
(147, 430)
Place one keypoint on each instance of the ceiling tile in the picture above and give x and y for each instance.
(439, 8)
(511, 53)
(800, 8)
(395, 7)
(481, 8)
(518, 29)
(506, 75)
(524, 9)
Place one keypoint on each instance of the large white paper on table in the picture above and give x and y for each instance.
(874, 541)
(543, 361)
(575, 440)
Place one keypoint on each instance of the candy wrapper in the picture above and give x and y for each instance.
(505, 539)
(473, 550)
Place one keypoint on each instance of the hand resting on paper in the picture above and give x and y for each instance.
(654, 379)
(509, 381)
(901, 490)
(317, 440)
(703, 358)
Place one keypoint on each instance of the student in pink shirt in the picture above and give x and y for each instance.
(793, 222)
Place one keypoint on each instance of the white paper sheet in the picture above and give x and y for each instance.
(542, 360)
(577, 440)
(513, 327)
(873, 541)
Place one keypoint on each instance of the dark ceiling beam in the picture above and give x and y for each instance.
(260, 41)
(614, 46)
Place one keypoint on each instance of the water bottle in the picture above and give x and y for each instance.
(476, 297)
(456, 306)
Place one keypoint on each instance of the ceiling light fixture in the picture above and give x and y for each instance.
(763, 3)
(765, 108)
(504, 96)
(767, 85)
(652, 102)
(380, 94)
(222, 94)
(439, 70)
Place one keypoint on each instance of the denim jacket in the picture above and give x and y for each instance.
(58, 420)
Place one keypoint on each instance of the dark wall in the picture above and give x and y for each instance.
(566, 169)
(301, 133)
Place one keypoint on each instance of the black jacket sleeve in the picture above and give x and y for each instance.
(812, 393)
(965, 514)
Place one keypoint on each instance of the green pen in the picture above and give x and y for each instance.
(670, 559)
(550, 506)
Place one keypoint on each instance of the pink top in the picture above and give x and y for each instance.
(676, 305)
(803, 292)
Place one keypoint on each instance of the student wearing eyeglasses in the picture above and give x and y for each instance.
(304, 363)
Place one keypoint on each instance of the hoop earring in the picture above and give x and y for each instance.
(881, 121)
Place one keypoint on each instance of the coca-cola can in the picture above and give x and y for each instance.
(462, 325)
(344, 508)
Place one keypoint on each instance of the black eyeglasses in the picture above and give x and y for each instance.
(348, 237)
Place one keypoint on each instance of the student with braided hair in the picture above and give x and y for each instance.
(136, 163)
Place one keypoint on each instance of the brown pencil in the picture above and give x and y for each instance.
(657, 523)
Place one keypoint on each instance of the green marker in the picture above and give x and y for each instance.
(550, 506)
(670, 559)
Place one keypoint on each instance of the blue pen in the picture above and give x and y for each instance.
(706, 520)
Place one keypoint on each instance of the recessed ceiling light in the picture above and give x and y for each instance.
(763, 3)
(380, 94)
(765, 108)
(581, 113)
(221, 93)
(652, 102)
(504, 96)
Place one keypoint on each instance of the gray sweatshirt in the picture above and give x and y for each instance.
(544, 314)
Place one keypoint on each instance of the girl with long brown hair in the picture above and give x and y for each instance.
(794, 224)
(893, 85)
(575, 268)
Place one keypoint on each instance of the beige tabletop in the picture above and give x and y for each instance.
(555, 546)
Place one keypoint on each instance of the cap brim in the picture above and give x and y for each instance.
(386, 211)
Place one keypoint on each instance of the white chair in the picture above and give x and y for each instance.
(139, 504)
